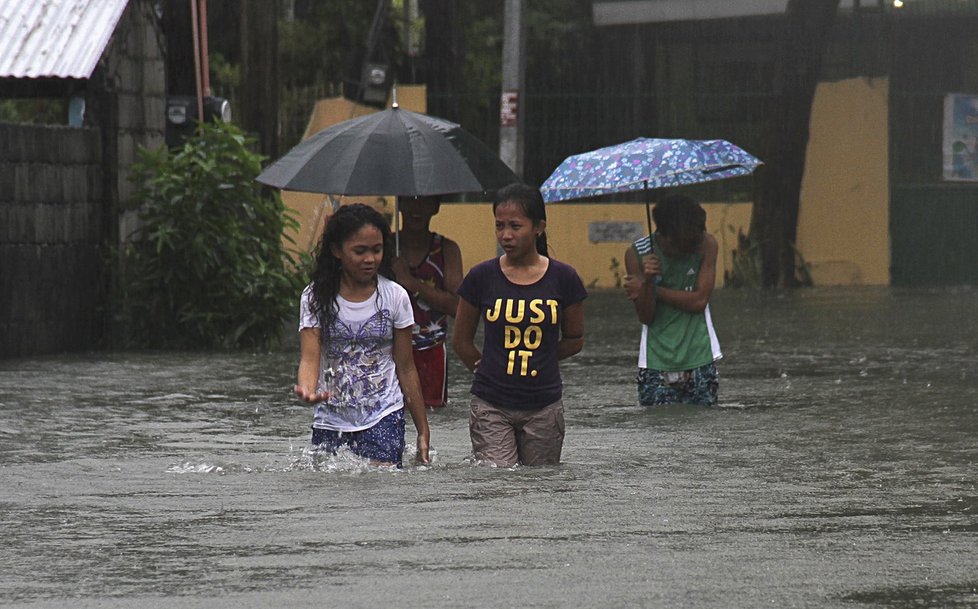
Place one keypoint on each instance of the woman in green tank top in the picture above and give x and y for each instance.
(670, 280)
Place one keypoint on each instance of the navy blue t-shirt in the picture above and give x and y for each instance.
(522, 328)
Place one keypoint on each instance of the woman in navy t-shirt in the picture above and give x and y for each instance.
(533, 310)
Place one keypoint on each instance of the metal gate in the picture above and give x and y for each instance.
(933, 222)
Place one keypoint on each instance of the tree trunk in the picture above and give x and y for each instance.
(259, 73)
(774, 223)
(443, 57)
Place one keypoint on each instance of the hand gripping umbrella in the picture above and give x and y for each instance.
(646, 164)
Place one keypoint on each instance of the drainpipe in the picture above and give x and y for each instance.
(205, 70)
(195, 18)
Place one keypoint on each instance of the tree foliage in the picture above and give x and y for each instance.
(207, 268)
(37, 111)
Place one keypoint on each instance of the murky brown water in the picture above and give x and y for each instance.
(840, 472)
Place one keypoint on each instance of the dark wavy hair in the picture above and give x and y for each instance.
(340, 226)
(530, 201)
(682, 220)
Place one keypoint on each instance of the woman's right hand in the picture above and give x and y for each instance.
(403, 276)
(312, 397)
(633, 285)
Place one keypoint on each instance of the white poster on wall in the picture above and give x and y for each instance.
(961, 137)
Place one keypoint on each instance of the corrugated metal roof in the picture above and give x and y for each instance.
(55, 38)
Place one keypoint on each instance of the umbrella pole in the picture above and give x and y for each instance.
(397, 226)
(648, 207)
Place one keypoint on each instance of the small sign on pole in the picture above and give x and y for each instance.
(509, 108)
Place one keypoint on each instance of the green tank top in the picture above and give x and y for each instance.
(676, 340)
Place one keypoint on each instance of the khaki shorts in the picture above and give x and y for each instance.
(506, 437)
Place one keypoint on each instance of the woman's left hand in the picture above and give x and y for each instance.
(422, 456)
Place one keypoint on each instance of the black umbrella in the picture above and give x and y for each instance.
(393, 152)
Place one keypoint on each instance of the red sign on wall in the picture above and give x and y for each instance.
(509, 105)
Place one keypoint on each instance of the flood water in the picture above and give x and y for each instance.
(840, 471)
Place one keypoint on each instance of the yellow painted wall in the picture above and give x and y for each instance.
(471, 225)
(843, 226)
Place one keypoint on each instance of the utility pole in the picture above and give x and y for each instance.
(259, 73)
(514, 67)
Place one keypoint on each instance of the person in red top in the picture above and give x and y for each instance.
(429, 267)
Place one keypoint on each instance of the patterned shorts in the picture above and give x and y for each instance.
(698, 386)
(384, 442)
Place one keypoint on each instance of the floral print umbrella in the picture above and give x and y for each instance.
(645, 164)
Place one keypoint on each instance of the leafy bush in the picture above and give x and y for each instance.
(747, 271)
(207, 267)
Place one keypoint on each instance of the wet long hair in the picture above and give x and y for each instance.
(342, 225)
(682, 220)
(530, 201)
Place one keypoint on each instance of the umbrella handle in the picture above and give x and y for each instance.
(648, 218)
(648, 206)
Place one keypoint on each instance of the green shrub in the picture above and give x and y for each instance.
(207, 267)
(747, 271)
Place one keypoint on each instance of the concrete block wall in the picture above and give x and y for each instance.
(136, 68)
(51, 206)
(62, 195)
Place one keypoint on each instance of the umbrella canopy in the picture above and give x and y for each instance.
(646, 164)
(393, 152)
